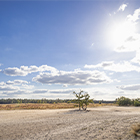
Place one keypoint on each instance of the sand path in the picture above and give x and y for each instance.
(109, 123)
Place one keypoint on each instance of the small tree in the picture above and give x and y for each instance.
(85, 101)
(82, 102)
(79, 96)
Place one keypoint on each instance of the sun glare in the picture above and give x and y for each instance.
(120, 32)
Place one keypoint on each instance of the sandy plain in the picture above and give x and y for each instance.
(108, 123)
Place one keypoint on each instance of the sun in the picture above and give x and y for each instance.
(120, 32)
(123, 31)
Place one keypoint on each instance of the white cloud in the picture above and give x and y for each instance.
(135, 16)
(130, 44)
(122, 7)
(103, 64)
(40, 91)
(61, 91)
(16, 82)
(25, 70)
(124, 66)
(124, 35)
(15, 85)
(136, 59)
(65, 85)
(14, 72)
(130, 87)
(8, 88)
(2, 83)
(77, 77)
(24, 86)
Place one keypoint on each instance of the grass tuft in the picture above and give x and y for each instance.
(135, 129)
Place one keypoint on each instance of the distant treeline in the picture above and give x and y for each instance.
(102, 101)
(51, 101)
(14, 101)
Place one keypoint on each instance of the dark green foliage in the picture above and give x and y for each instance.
(85, 101)
(82, 99)
(123, 101)
(100, 102)
(137, 102)
(107, 102)
(14, 101)
(79, 96)
(68, 102)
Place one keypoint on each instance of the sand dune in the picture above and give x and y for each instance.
(110, 123)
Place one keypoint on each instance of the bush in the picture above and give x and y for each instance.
(137, 102)
(123, 101)
(100, 102)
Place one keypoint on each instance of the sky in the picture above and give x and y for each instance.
(49, 49)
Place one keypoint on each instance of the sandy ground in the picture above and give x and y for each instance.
(109, 123)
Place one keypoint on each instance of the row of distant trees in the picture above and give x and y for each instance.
(14, 101)
(82, 99)
(123, 101)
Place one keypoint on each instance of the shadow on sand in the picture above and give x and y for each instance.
(77, 111)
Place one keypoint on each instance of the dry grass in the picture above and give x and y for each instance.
(102, 104)
(135, 129)
(45, 106)
(36, 106)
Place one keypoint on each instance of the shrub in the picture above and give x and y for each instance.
(68, 102)
(100, 102)
(82, 102)
(123, 101)
(137, 102)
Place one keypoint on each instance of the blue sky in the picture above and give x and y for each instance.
(48, 49)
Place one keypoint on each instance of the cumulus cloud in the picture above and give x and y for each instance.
(136, 59)
(8, 88)
(61, 91)
(124, 66)
(65, 85)
(131, 43)
(15, 85)
(16, 82)
(130, 87)
(77, 77)
(131, 38)
(122, 7)
(25, 70)
(24, 86)
(103, 64)
(14, 72)
(40, 91)
(128, 39)
(135, 16)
